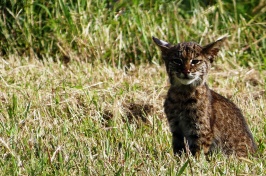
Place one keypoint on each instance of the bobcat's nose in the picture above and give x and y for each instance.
(186, 71)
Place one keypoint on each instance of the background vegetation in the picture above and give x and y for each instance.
(82, 85)
(119, 32)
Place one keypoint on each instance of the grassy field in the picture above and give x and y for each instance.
(82, 85)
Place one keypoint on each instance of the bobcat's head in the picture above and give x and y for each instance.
(188, 63)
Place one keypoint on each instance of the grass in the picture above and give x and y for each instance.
(119, 32)
(77, 120)
(82, 85)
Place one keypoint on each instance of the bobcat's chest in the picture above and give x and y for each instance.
(183, 119)
(187, 113)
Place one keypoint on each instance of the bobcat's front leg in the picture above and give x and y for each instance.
(178, 143)
(181, 144)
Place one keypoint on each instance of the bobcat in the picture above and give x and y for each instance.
(199, 117)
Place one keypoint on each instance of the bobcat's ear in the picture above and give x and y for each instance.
(163, 45)
(211, 50)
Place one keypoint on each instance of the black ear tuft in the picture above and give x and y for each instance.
(163, 45)
(211, 50)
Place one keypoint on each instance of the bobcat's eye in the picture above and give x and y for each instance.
(194, 62)
(178, 61)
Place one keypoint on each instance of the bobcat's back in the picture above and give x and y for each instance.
(231, 131)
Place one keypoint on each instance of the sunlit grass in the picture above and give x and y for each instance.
(81, 119)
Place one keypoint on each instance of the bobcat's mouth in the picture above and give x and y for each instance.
(186, 79)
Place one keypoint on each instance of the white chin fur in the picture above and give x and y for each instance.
(186, 81)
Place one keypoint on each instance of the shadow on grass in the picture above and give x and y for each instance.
(133, 113)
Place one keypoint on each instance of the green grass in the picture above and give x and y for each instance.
(119, 32)
(82, 85)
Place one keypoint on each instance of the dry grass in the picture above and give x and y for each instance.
(96, 119)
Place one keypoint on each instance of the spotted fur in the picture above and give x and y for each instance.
(204, 119)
